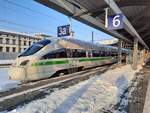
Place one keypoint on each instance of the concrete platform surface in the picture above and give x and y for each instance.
(147, 100)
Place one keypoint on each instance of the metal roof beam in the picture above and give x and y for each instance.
(70, 9)
(128, 27)
(147, 38)
(143, 28)
(123, 3)
(146, 35)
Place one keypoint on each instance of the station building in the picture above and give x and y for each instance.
(12, 43)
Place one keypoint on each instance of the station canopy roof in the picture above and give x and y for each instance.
(92, 13)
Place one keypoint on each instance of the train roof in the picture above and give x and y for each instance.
(78, 44)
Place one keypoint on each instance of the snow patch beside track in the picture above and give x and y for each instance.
(5, 83)
(93, 95)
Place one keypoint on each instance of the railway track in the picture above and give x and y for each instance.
(25, 93)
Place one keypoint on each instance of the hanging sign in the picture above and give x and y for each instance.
(115, 21)
(63, 31)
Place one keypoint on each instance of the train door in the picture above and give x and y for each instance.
(71, 59)
(72, 56)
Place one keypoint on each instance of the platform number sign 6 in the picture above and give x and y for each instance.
(63, 30)
(115, 21)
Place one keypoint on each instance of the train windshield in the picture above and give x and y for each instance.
(35, 47)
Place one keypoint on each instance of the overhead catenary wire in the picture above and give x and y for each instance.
(25, 26)
(40, 13)
(30, 31)
(10, 27)
(33, 11)
(37, 12)
(21, 25)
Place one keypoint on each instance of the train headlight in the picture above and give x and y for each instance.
(14, 64)
(24, 63)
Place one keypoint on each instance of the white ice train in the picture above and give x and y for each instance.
(46, 57)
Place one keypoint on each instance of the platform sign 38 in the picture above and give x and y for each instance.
(63, 30)
(115, 21)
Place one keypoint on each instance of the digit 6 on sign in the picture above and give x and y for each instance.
(116, 21)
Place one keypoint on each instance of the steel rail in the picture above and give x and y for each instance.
(30, 90)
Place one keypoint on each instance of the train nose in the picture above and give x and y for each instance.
(16, 73)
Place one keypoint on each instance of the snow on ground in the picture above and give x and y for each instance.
(7, 61)
(90, 96)
(5, 83)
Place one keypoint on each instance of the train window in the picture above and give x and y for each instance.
(95, 53)
(112, 53)
(60, 53)
(35, 47)
(102, 53)
(75, 53)
(65, 53)
(105, 53)
(108, 53)
(69, 53)
(115, 54)
(90, 53)
(82, 53)
(79, 53)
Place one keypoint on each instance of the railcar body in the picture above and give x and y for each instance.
(44, 58)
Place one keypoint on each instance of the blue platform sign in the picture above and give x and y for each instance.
(115, 21)
(63, 30)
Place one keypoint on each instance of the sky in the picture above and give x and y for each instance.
(30, 17)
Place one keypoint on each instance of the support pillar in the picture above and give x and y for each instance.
(127, 58)
(135, 54)
(142, 56)
(119, 51)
